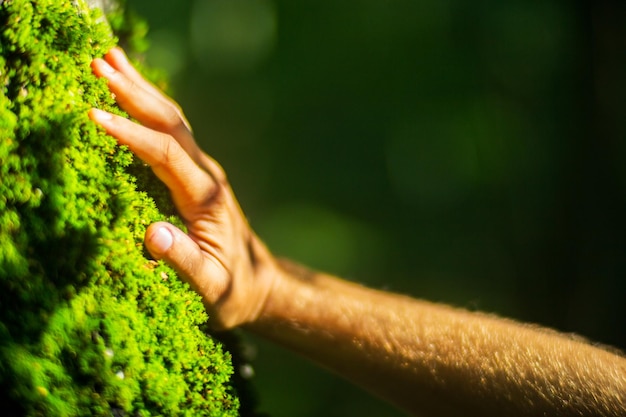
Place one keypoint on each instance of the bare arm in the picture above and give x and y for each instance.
(431, 359)
(426, 358)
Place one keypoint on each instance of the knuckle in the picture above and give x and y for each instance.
(188, 264)
(213, 194)
(131, 86)
(216, 171)
(170, 119)
(171, 150)
(168, 151)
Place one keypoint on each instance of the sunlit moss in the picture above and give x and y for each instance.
(88, 325)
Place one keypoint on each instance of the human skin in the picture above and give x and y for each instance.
(426, 358)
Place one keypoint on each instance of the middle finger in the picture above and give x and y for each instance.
(150, 109)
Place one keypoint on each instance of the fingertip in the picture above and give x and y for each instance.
(95, 63)
(102, 68)
(117, 57)
(118, 51)
(99, 116)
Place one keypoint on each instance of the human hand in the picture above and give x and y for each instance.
(220, 256)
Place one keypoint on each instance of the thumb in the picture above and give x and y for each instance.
(165, 241)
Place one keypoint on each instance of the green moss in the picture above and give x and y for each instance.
(88, 325)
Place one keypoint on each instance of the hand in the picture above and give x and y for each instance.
(220, 256)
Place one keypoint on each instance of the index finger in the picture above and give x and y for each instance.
(191, 186)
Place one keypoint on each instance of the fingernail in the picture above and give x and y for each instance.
(162, 240)
(105, 67)
(100, 115)
(120, 52)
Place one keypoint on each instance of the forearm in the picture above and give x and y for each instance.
(433, 359)
(421, 356)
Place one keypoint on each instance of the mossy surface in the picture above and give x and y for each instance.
(88, 325)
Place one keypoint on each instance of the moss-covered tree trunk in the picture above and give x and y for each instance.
(88, 325)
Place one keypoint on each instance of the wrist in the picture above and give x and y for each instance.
(282, 288)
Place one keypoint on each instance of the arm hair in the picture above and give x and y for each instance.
(432, 359)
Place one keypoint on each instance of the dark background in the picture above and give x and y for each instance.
(472, 153)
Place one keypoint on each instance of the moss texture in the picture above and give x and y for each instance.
(88, 325)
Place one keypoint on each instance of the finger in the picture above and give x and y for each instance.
(118, 60)
(153, 111)
(167, 242)
(191, 187)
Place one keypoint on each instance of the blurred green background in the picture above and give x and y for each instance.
(472, 153)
